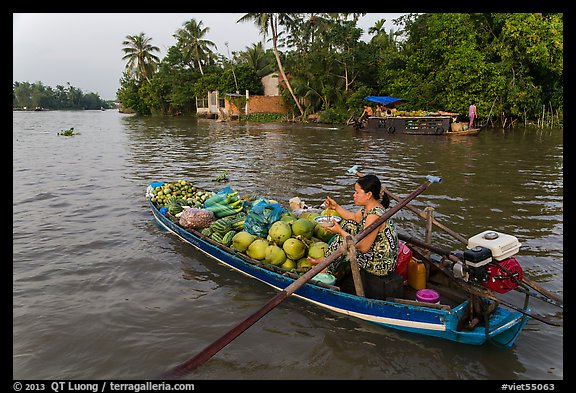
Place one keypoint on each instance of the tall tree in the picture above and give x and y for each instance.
(273, 21)
(138, 51)
(192, 43)
(255, 56)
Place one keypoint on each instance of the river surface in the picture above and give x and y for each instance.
(100, 291)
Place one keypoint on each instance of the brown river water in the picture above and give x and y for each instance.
(100, 291)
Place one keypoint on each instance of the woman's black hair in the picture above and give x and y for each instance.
(371, 183)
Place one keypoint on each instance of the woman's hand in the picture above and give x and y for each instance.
(330, 203)
(335, 228)
(315, 261)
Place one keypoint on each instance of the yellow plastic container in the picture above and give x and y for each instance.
(416, 274)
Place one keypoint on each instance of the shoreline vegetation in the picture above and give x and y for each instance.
(511, 64)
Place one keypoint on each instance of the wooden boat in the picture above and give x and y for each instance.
(448, 319)
(414, 125)
(438, 123)
(469, 131)
(409, 125)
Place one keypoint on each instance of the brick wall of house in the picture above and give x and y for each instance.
(267, 104)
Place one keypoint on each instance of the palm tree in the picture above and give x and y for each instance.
(194, 47)
(265, 21)
(380, 37)
(378, 27)
(141, 61)
(256, 57)
(355, 16)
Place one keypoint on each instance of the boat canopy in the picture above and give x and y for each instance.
(385, 100)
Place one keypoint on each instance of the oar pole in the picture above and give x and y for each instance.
(196, 361)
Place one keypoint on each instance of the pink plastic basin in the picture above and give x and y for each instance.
(428, 296)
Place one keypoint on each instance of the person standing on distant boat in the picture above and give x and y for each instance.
(368, 112)
(376, 253)
(472, 113)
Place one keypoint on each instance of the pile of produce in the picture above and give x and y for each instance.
(289, 243)
(180, 192)
(412, 113)
(221, 216)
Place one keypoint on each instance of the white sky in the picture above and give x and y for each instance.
(85, 49)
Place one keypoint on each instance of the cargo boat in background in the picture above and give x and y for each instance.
(437, 123)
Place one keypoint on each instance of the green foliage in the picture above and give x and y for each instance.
(511, 61)
(129, 95)
(264, 117)
(68, 132)
(37, 95)
(245, 77)
(206, 83)
(332, 116)
(511, 64)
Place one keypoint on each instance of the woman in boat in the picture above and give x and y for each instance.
(376, 253)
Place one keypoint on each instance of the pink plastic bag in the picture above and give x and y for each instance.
(404, 255)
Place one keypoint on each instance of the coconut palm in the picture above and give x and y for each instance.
(192, 43)
(255, 56)
(380, 37)
(272, 21)
(139, 52)
(378, 27)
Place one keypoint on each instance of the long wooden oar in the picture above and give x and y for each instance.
(354, 170)
(196, 361)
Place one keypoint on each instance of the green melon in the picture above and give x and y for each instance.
(289, 264)
(322, 233)
(279, 232)
(303, 265)
(294, 248)
(257, 249)
(242, 240)
(303, 227)
(274, 255)
(318, 250)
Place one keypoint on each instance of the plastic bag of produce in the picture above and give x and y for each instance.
(261, 216)
(194, 218)
(224, 203)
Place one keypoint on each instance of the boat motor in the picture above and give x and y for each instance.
(476, 260)
(490, 262)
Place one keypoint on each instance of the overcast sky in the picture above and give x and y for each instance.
(85, 49)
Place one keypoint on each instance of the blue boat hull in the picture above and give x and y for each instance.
(503, 328)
